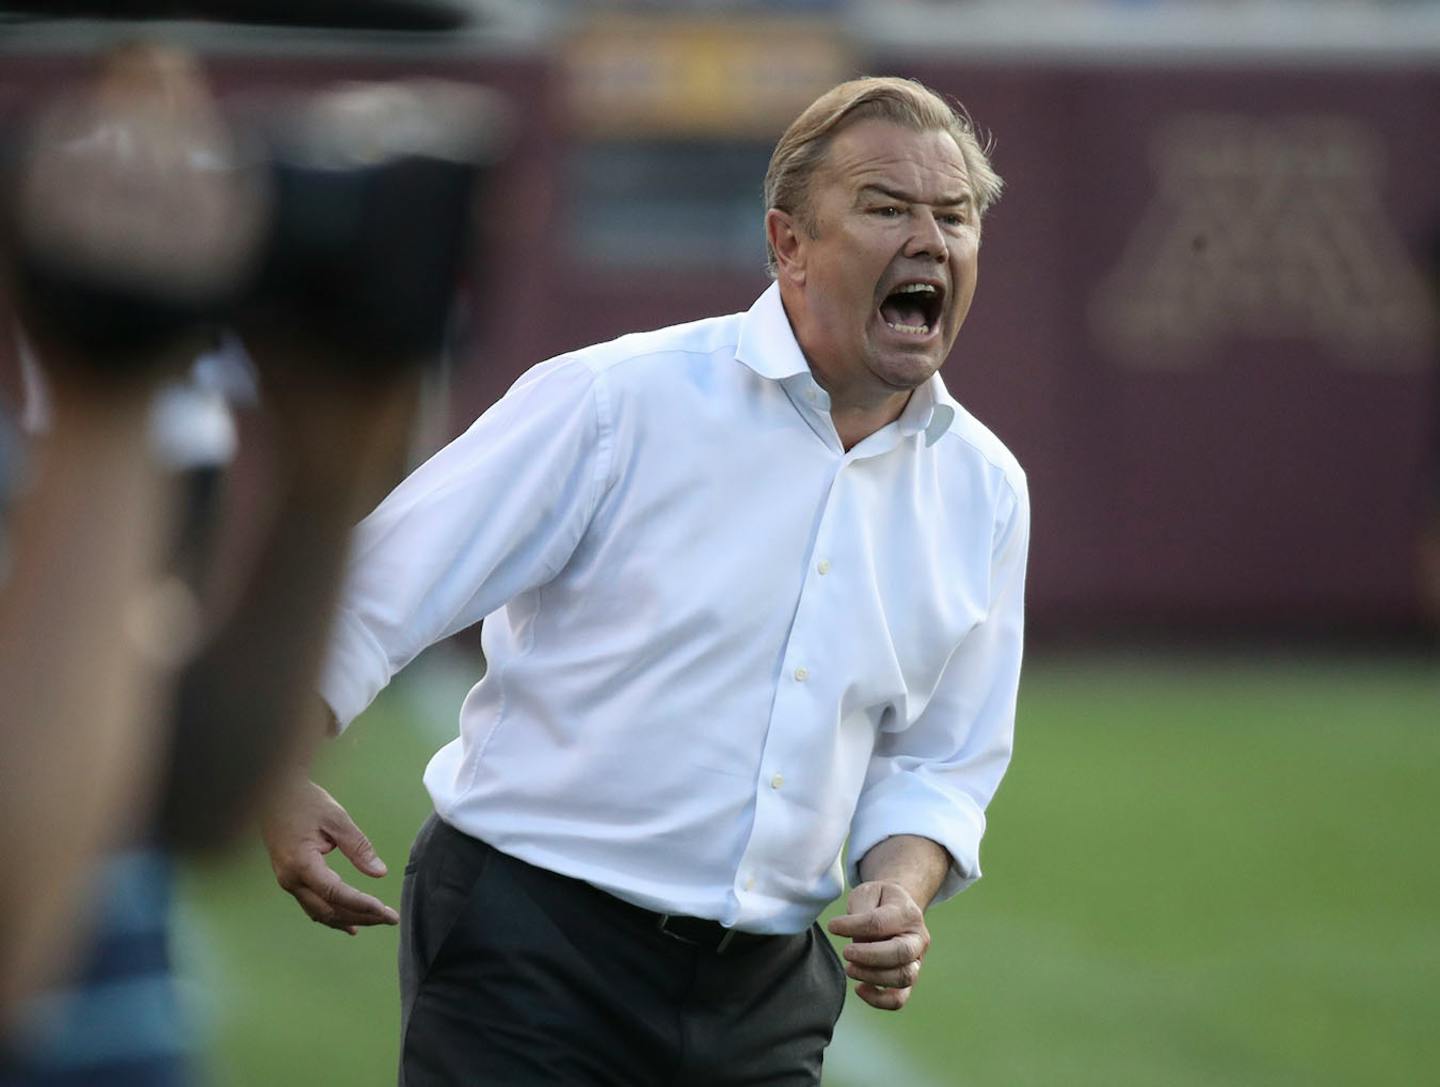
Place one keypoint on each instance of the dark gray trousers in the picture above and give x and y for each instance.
(513, 975)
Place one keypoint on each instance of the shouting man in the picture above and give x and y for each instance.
(754, 588)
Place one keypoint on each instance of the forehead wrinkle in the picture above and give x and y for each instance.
(897, 193)
(908, 175)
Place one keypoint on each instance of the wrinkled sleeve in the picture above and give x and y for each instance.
(935, 778)
(495, 513)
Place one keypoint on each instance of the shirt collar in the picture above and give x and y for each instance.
(930, 411)
(767, 342)
(768, 346)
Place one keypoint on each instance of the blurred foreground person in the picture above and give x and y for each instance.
(139, 229)
(92, 630)
(117, 1016)
(754, 587)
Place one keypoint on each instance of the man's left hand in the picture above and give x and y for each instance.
(889, 941)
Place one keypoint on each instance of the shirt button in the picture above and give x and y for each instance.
(777, 781)
(823, 566)
(749, 883)
(802, 674)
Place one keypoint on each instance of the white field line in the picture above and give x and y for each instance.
(864, 1054)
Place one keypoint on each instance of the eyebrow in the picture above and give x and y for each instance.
(896, 194)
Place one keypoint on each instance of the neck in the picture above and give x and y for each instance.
(857, 408)
(856, 422)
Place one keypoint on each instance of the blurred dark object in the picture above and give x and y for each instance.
(374, 187)
(363, 237)
(372, 201)
(391, 15)
(134, 219)
(1428, 548)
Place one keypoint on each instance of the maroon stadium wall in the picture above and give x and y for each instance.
(1203, 321)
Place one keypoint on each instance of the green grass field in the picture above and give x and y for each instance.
(1209, 872)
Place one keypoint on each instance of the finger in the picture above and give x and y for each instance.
(353, 843)
(368, 909)
(320, 880)
(894, 977)
(887, 1000)
(864, 898)
(354, 904)
(907, 947)
(326, 912)
(320, 911)
(880, 923)
(857, 926)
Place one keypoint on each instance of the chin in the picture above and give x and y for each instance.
(909, 368)
(907, 376)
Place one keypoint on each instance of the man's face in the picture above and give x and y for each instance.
(878, 295)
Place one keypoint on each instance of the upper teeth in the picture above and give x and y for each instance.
(914, 288)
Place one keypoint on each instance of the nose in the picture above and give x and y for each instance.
(928, 240)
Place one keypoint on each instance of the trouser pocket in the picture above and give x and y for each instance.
(443, 870)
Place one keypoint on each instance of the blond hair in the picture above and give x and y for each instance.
(905, 102)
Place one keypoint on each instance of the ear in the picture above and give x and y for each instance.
(787, 239)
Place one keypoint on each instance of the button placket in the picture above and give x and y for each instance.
(795, 700)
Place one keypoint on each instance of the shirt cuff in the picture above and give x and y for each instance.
(356, 670)
(908, 803)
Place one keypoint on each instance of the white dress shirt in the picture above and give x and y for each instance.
(718, 643)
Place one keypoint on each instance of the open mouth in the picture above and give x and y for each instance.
(913, 308)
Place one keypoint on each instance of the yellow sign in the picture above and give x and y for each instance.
(677, 77)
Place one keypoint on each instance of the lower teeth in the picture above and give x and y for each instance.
(920, 329)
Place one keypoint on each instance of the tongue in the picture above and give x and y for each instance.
(899, 310)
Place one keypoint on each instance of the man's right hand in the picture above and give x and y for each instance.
(302, 826)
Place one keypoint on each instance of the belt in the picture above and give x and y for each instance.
(711, 935)
(695, 931)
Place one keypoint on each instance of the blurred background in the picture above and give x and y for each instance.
(1207, 325)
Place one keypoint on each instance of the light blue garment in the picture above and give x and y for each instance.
(119, 1022)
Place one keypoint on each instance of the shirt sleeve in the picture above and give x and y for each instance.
(935, 778)
(495, 513)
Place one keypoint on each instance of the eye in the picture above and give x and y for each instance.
(886, 211)
(953, 218)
